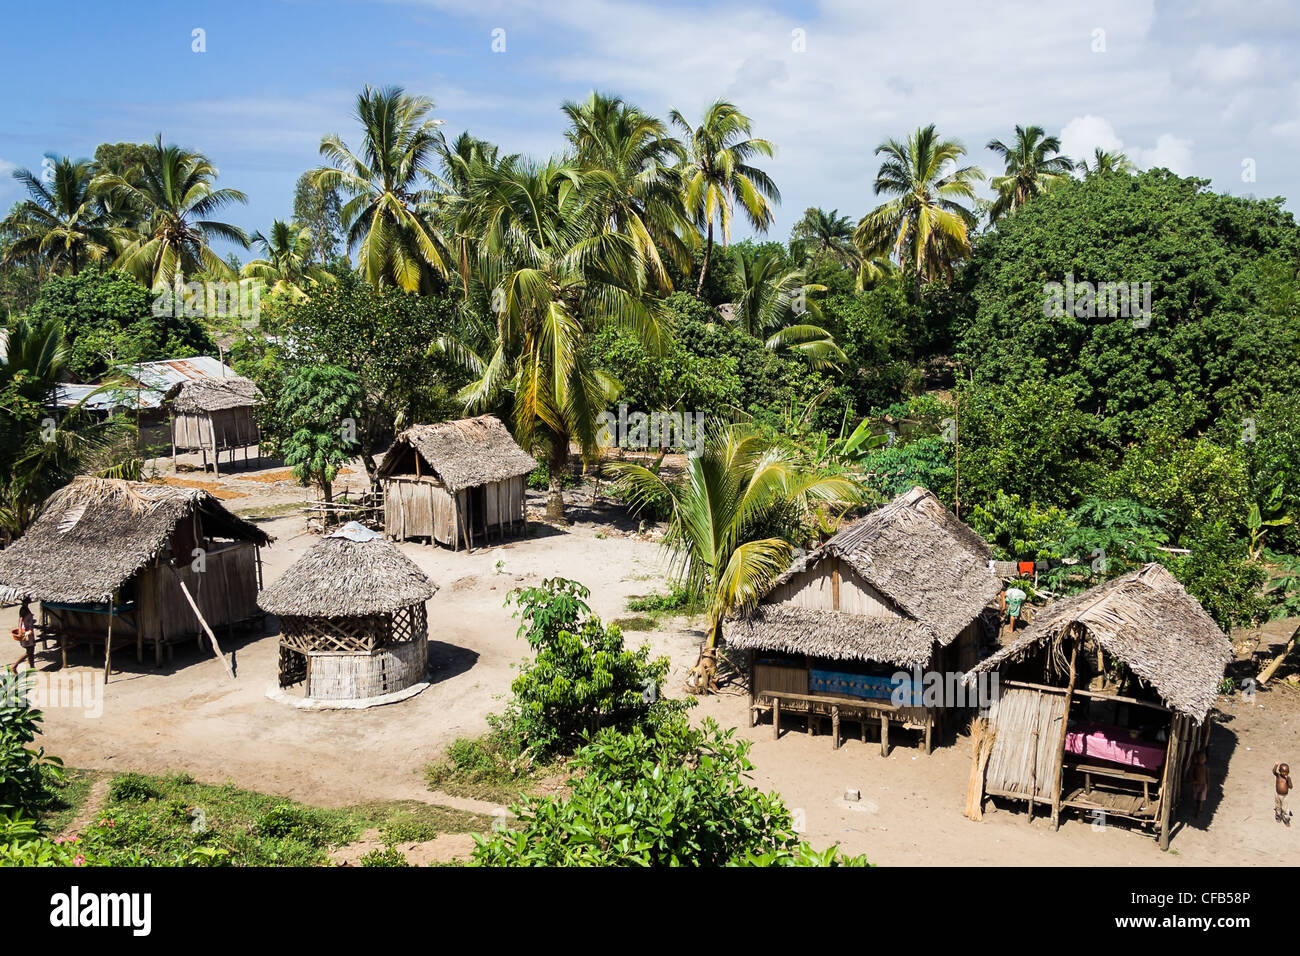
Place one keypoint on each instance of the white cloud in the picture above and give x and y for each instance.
(1084, 134)
(1171, 152)
(1225, 66)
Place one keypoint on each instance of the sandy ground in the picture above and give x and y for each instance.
(189, 716)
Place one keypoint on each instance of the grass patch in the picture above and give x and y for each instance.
(70, 798)
(634, 623)
(678, 600)
(482, 768)
(175, 821)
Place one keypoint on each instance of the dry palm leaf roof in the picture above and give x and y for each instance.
(199, 396)
(353, 572)
(464, 453)
(923, 560)
(1147, 620)
(94, 534)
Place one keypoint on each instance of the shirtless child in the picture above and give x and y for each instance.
(1282, 777)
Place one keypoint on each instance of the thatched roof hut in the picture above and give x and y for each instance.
(352, 617)
(94, 534)
(112, 559)
(205, 395)
(212, 415)
(905, 587)
(449, 481)
(1147, 620)
(927, 569)
(352, 572)
(1117, 746)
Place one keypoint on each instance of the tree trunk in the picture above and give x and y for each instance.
(559, 468)
(703, 677)
(704, 266)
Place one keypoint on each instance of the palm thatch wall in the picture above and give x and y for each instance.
(1147, 620)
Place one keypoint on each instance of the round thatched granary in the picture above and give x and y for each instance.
(353, 623)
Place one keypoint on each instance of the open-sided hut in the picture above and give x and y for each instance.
(452, 481)
(1104, 701)
(353, 624)
(902, 589)
(214, 415)
(115, 561)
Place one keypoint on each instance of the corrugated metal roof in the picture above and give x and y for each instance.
(154, 378)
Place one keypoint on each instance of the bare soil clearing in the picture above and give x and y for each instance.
(187, 716)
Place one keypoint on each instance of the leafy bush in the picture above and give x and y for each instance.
(27, 776)
(132, 787)
(388, 856)
(582, 678)
(677, 599)
(676, 798)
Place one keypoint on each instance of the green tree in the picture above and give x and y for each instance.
(1107, 162)
(723, 513)
(776, 304)
(644, 194)
(61, 224)
(557, 270)
(924, 227)
(318, 406)
(825, 236)
(320, 211)
(1031, 169)
(171, 197)
(718, 173)
(388, 214)
(286, 265)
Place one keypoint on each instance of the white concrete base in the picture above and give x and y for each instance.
(276, 693)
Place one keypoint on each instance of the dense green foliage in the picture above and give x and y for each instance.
(676, 798)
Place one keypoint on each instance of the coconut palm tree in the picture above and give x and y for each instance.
(61, 225)
(773, 304)
(718, 173)
(171, 197)
(923, 226)
(556, 270)
(1031, 169)
(1104, 162)
(738, 488)
(284, 266)
(825, 235)
(645, 192)
(391, 216)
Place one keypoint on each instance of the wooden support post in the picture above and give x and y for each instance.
(835, 584)
(776, 718)
(929, 732)
(835, 727)
(108, 641)
(884, 735)
(1167, 785)
(1059, 774)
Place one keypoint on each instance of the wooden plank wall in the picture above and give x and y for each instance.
(815, 589)
(226, 592)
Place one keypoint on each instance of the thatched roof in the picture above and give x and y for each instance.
(94, 534)
(464, 453)
(200, 396)
(1147, 620)
(922, 559)
(350, 573)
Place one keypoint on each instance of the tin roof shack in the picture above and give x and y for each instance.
(212, 415)
(136, 563)
(1104, 701)
(352, 615)
(447, 482)
(900, 590)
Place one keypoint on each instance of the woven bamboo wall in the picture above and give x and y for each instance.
(1028, 725)
(357, 676)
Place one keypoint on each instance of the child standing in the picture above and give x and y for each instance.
(1282, 786)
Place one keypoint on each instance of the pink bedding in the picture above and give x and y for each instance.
(1103, 742)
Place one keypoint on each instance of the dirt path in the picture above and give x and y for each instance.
(96, 797)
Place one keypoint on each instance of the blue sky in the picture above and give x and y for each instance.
(1200, 87)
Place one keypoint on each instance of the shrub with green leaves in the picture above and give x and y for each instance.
(27, 775)
(679, 797)
(582, 678)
